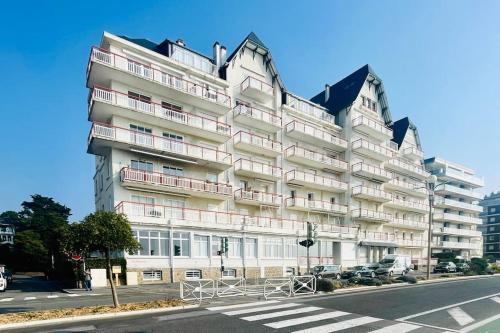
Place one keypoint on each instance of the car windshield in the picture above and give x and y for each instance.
(443, 264)
(358, 268)
(318, 269)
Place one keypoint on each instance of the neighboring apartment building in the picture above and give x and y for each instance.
(7, 232)
(193, 148)
(456, 209)
(491, 224)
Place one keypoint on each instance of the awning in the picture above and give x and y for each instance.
(377, 243)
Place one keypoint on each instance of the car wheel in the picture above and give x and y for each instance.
(372, 275)
(338, 276)
(390, 273)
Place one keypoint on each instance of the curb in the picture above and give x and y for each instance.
(74, 319)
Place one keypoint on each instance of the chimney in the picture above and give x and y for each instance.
(327, 92)
(217, 56)
(223, 55)
(180, 42)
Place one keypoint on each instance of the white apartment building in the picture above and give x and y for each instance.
(194, 148)
(456, 209)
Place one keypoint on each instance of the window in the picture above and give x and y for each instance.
(244, 184)
(141, 165)
(293, 193)
(491, 247)
(289, 271)
(229, 273)
(136, 96)
(310, 196)
(181, 244)
(212, 177)
(200, 246)
(192, 274)
(234, 247)
(139, 102)
(152, 275)
(153, 243)
(492, 219)
(173, 171)
(251, 247)
(493, 209)
(290, 248)
(216, 245)
(140, 129)
(170, 106)
(272, 248)
(332, 200)
(173, 136)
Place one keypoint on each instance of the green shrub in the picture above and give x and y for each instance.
(354, 280)
(386, 280)
(444, 275)
(324, 285)
(421, 278)
(369, 281)
(338, 284)
(495, 268)
(408, 278)
(479, 265)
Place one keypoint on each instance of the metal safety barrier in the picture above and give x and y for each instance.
(197, 290)
(231, 287)
(278, 287)
(304, 284)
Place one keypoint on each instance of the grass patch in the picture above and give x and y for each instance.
(18, 317)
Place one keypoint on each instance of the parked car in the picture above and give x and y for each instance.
(394, 264)
(327, 271)
(462, 267)
(361, 271)
(3, 282)
(445, 267)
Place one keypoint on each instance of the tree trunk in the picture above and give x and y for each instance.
(110, 278)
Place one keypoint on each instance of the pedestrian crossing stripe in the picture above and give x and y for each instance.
(6, 299)
(281, 313)
(307, 319)
(259, 309)
(341, 325)
(397, 328)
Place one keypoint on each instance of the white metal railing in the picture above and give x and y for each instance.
(411, 242)
(413, 151)
(375, 148)
(459, 232)
(119, 134)
(160, 179)
(309, 108)
(257, 114)
(251, 82)
(410, 204)
(459, 175)
(370, 214)
(257, 141)
(459, 245)
(462, 191)
(457, 204)
(418, 170)
(408, 186)
(205, 92)
(278, 287)
(257, 167)
(373, 124)
(261, 197)
(231, 287)
(371, 169)
(457, 218)
(314, 179)
(409, 223)
(197, 290)
(303, 284)
(316, 133)
(373, 192)
(315, 156)
(316, 205)
(160, 111)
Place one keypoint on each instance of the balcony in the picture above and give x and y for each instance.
(372, 128)
(371, 172)
(408, 224)
(257, 198)
(406, 168)
(304, 204)
(408, 205)
(413, 153)
(452, 175)
(367, 215)
(457, 205)
(458, 245)
(411, 243)
(457, 232)
(257, 89)
(104, 103)
(103, 136)
(314, 136)
(309, 110)
(258, 170)
(372, 194)
(458, 191)
(256, 144)
(455, 218)
(257, 118)
(314, 159)
(372, 150)
(105, 65)
(406, 187)
(155, 181)
(310, 180)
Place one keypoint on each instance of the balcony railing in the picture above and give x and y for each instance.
(309, 109)
(461, 176)
(440, 201)
(257, 114)
(371, 169)
(409, 223)
(315, 156)
(413, 151)
(459, 245)
(315, 205)
(145, 71)
(414, 169)
(263, 198)
(316, 133)
(127, 136)
(258, 168)
(390, 237)
(305, 177)
(123, 100)
(460, 191)
(408, 186)
(456, 218)
(251, 82)
(257, 141)
(372, 124)
(410, 204)
(377, 194)
(370, 215)
(159, 179)
(459, 232)
(372, 148)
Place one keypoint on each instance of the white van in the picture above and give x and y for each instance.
(394, 264)
(3, 282)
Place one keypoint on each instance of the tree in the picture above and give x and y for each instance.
(30, 252)
(105, 232)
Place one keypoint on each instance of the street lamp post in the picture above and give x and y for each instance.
(431, 185)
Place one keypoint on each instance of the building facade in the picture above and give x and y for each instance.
(7, 232)
(456, 209)
(194, 148)
(491, 224)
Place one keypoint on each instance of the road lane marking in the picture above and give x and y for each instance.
(52, 296)
(281, 313)
(74, 329)
(397, 328)
(341, 325)
(480, 323)
(445, 329)
(308, 319)
(29, 298)
(73, 295)
(6, 299)
(496, 299)
(460, 316)
(236, 306)
(259, 309)
(445, 307)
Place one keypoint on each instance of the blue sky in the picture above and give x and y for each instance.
(439, 61)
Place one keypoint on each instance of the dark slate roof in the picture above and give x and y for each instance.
(400, 128)
(250, 37)
(345, 92)
(142, 42)
(253, 37)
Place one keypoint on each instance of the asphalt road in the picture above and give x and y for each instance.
(452, 306)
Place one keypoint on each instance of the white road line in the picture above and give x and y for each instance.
(445, 307)
(460, 316)
(341, 325)
(52, 296)
(397, 328)
(6, 299)
(496, 299)
(308, 319)
(76, 329)
(29, 298)
(259, 309)
(73, 295)
(480, 323)
(236, 306)
(281, 313)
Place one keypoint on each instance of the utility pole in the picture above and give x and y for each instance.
(431, 185)
(311, 237)
(223, 249)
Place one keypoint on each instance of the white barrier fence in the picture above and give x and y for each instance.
(197, 290)
(231, 287)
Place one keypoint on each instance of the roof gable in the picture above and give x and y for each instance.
(400, 129)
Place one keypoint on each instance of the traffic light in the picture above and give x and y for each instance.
(226, 245)
(306, 243)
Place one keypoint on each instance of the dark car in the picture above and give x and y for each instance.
(361, 271)
(463, 267)
(445, 267)
(327, 271)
